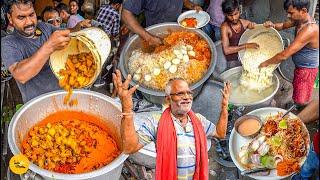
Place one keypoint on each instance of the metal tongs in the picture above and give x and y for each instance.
(251, 171)
(289, 110)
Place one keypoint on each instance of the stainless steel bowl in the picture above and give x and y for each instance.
(157, 96)
(254, 105)
(246, 117)
(88, 101)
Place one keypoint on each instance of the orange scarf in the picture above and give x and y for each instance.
(166, 146)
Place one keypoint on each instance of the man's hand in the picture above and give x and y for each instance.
(226, 94)
(123, 91)
(197, 8)
(269, 24)
(251, 25)
(252, 46)
(82, 24)
(58, 40)
(153, 40)
(264, 64)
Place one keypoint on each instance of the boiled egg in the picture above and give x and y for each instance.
(156, 71)
(167, 65)
(189, 47)
(176, 61)
(147, 77)
(185, 58)
(136, 77)
(173, 69)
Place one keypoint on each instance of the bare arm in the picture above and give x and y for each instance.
(130, 143)
(302, 39)
(310, 113)
(26, 69)
(227, 49)
(280, 26)
(221, 126)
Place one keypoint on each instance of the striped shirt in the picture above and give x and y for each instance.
(147, 132)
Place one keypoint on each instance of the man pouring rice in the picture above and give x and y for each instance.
(304, 49)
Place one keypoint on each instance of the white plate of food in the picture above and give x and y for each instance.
(281, 145)
(193, 19)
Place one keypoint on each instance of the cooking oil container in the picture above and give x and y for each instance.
(92, 40)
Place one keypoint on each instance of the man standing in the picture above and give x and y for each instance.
(216, 19)
(64, 12)
(304, 49)
(26, 51)
(109, 17)
(51, 16)
(155, 11)
(231, 30)
(180, 135)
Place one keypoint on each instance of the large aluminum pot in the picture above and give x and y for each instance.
(88, 101)
(157, 96)
(259, 29)
(266, 101)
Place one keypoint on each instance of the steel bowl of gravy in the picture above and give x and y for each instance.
(248, 126)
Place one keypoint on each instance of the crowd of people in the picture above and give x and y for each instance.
(29, 42)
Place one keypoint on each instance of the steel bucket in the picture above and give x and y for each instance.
(259, 29)
(92, 40)
(157, 96)
(91, 102)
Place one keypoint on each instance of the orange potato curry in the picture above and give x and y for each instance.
(70, 142)
(79, 70)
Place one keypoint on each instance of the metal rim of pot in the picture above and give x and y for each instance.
(154, 92)
(15, 150)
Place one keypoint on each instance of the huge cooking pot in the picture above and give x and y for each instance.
(161, 30)
(265, 101)
(88, 101)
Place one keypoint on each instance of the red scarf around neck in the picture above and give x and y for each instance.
(166, 146)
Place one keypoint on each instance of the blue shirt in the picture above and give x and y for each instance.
(155, 11)
(15, 48)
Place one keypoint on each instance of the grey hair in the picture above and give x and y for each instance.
(169, 85)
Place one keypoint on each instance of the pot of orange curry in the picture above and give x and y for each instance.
(69, 142)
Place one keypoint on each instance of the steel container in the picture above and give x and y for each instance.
(161, 30)
(266, 101)
(89, 102)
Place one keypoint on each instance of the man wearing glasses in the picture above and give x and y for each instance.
(180, 135)
(51, 16)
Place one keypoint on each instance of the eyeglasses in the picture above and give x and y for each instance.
(182, 94)
(52, 20)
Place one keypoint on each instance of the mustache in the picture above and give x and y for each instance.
(30, 26)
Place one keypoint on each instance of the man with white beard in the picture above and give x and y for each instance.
(180, 135)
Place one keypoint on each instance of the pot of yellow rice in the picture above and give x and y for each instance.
(188, 54)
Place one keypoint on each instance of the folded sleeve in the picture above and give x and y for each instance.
(208, 126)
(146, 129)
(10, 53)
(134, 6)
